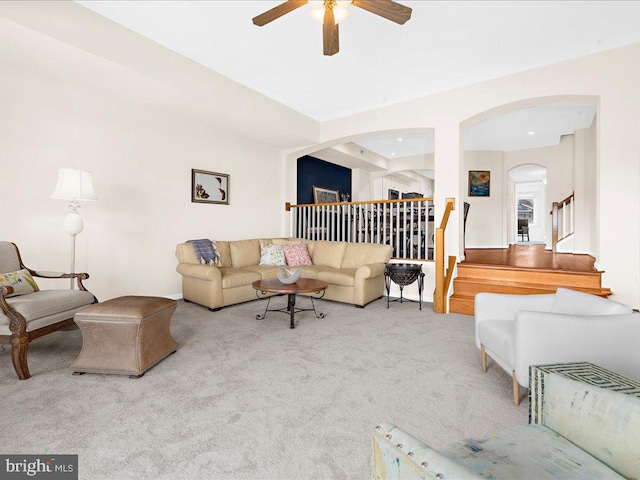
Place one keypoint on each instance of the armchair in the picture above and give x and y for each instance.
(517, 331)
(29, 316)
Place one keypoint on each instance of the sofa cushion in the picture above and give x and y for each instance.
(297, 255)
(527, 451)
(311, 271)
(234, 277)
(498, 337)
(343, 276)
(329, 254)
(244, 253)
(359, 254)
(21, 281)
(579, 303)
(265, 271)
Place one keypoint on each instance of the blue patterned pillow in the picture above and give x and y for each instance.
(273, 255)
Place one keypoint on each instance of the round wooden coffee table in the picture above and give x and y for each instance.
(302, 285)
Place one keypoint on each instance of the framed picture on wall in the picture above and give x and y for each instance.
(325, 195)
(209, 187)
(394, 194)
(479, 183)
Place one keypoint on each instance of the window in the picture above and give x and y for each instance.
(525, 209)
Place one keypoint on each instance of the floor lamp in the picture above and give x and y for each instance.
(74, 185)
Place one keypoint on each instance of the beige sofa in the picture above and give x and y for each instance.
(354, 271)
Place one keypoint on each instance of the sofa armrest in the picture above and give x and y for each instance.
(398, 455)
(603, 423)
(201, 272)
(370, 271)
(500, 306)
(610, 341)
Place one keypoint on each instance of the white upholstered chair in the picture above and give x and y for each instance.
(517, 331)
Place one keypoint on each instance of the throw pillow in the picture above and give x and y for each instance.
(273, 255)
(264, 244)
(21, 281)
(297, 255)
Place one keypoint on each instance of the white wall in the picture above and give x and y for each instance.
(141, 158)
(586, 190)
(485, 222)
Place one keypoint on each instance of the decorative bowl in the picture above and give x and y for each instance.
(289, 276)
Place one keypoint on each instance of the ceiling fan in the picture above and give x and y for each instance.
(331, 12)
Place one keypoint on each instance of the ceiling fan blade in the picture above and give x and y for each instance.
(330, 35)
(386, 8)
(277, 12)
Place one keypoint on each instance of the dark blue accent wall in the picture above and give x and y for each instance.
(313, 171)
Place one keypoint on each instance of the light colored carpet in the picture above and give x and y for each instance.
(248, 399)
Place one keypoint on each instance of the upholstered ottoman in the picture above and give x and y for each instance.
(125, 335)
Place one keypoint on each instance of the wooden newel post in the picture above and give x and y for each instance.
(554, 226)
(443, 279)
(438, 303)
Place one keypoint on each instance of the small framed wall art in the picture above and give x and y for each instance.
(479, 183)
(325, 195)
(209, 187)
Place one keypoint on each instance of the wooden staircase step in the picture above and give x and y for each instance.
(562, 278)
(461, 304)
(477, 278)
(471, 286)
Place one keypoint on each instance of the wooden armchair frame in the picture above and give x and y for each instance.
(20, 337)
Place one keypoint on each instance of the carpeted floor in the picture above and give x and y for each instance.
(248, 399)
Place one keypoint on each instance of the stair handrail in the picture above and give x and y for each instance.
(443, 279)
(556, 211)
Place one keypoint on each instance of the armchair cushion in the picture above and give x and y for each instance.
(501, 333)
(579, 303)
(47, 302)
(21, 281)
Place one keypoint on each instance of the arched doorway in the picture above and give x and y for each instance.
(527, 210)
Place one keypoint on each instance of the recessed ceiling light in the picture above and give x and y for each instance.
(400, 139)
(393, 154)
(531, 133)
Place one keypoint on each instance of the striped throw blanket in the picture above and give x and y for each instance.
(206, 251)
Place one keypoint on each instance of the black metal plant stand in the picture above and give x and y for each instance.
(403, 274)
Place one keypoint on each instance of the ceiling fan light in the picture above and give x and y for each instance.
(339, 14)
(314, 4)
(317, 14)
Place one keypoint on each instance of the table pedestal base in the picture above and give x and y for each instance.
(291, 308)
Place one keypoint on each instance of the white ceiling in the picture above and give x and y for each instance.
(445, 45)
(399, 146)
(505, 132)
(528, 128)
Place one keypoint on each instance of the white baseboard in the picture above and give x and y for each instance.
(175, 296)
(487, 246)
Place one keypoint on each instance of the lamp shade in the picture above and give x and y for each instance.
(74, 185)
